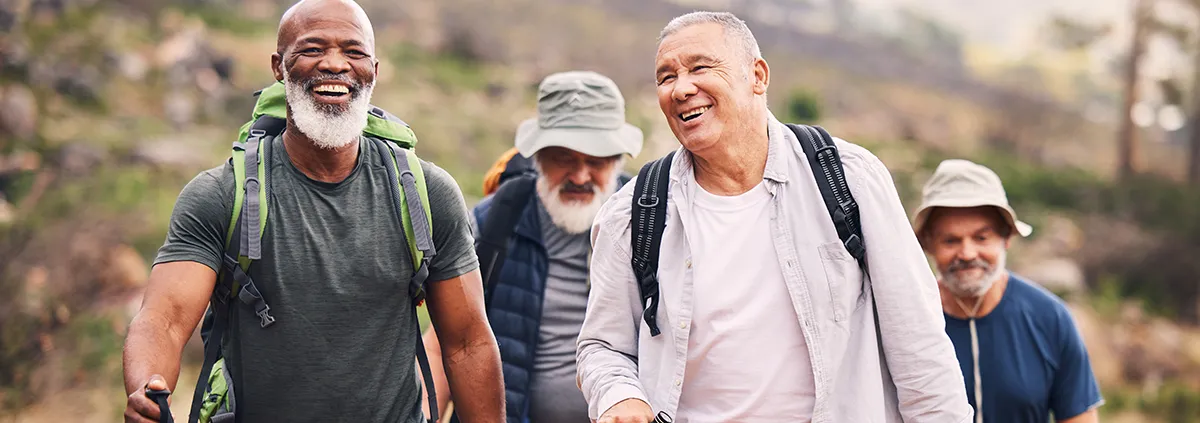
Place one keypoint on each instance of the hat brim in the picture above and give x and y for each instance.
(1010, 216)
(626, 139)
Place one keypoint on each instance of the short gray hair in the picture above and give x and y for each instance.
(735, 29)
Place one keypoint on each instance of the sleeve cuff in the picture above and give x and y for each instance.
(616, 394)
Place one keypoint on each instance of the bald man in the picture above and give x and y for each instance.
(332, 261)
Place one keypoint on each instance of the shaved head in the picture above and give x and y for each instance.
(297, 18)
(326, 59)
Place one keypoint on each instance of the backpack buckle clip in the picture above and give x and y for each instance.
(854, 245)
(265, 316)
(648, 201)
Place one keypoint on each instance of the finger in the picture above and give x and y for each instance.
(157, 383)
(143, 406)
(132, 416)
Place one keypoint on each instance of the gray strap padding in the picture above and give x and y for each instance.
(412, 196)
(251, 243)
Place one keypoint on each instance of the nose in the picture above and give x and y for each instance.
(683, 88)
(334, 63)
(968, 252)
(579, 175)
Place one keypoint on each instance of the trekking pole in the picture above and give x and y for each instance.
(662, 417)
(164, 409)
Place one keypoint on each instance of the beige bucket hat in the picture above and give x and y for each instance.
(583, 111)
(962, 183)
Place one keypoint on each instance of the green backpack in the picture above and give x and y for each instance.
(214, 399)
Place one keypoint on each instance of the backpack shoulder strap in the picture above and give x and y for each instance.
(648, 219)
(411, 197)
(827, 169)
(507, 206)
(243, 245)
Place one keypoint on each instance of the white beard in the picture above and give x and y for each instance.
(573, 217)
(326, 126)
(973, 287)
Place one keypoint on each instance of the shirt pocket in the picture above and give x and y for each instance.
(844, 279)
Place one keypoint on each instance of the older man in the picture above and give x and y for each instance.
(762, 313)
(1016, 342)
(338, 339)
(538, 285)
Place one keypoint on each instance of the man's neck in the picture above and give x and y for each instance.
(735, 165)
(965, 307)
(318, 163)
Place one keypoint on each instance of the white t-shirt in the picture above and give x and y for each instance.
(747, 358)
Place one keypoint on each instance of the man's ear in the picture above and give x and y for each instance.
(762, 76)
(277, 66)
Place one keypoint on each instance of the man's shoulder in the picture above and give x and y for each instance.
(1038, 302)
(857, 159)
(613, 216)
(440, 184)
(213, 183)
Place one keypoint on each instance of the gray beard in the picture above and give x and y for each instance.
(973, 287)
(326, 125)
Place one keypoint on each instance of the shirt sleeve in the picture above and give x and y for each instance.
(919, 354)
(199, 221)
(1075, 389)
(608, 339)
(452, 238)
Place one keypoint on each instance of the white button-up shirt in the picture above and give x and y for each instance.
(919, 381)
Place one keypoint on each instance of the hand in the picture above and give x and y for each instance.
(139, 408)
(631, 410)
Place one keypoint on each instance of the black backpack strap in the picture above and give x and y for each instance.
(827, 169)
(648, 219)
(423, 239)
(244, 241)
(508, 204)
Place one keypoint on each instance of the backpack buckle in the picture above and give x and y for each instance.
(263, 313)
(653, 201)
(855, 246)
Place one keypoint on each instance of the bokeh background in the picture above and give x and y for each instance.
(1088, 109)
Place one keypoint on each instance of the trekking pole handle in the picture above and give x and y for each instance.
(164, 410)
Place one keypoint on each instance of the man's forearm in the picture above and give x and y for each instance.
(151, 347)
(476, 381)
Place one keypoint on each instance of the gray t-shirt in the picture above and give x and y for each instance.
(335, 270)
(555, 396)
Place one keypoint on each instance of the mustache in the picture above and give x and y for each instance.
(967, 264)
(571, 187)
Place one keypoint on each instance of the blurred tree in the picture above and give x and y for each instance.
(804, 106)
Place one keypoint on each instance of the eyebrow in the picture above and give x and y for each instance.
(319, 40)
(691, 58)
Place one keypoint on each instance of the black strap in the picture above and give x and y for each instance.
(245, 241)
(827, 169)
(164, 409)
(648, 220)
(219, 309)
(423, 240)
(508, 204)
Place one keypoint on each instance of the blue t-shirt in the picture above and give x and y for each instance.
(1032, 359)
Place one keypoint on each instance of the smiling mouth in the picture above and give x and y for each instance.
(331, 91)
(694, 113)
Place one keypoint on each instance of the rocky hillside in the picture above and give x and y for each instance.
(108, 107)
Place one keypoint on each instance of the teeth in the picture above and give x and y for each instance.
(693, 113)
(333, 88)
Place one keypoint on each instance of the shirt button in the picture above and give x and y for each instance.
(688, 262)
(682, 325)
(678, 382)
